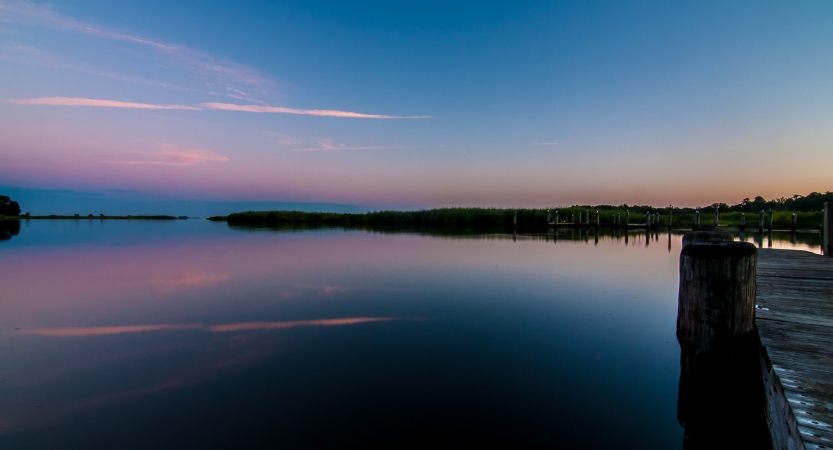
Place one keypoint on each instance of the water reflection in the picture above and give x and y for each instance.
(194, 334)
(9, 228)
(221, 328)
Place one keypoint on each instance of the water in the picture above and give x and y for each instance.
(190, 334)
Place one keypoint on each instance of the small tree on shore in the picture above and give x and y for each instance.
(8, 207)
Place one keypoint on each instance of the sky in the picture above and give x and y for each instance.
(417, 104)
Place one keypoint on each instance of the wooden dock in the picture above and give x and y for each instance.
(794, 315)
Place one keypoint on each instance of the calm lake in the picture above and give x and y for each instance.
(192, 334)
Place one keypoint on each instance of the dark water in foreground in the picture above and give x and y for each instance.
(189, 334)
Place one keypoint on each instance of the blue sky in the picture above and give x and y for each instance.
(505, 104)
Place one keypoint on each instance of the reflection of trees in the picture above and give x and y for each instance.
(9, 228)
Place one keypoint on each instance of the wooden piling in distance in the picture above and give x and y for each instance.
(761, 224)
(670, 212)
(515, 219)
(794, 222)
(627, 218)
(771, 216)
(742, 221)
(696, 220)
(716, 217)
(598, 223)
(693, 237)
(827, 230)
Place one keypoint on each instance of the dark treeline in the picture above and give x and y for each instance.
(489, 218)
(8, 207)
(797, 203)
(807, 209)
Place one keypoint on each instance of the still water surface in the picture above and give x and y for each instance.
(191, 334)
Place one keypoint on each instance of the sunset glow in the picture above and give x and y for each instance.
(418, 106)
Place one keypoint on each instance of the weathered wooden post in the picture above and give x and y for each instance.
(719, 390)
(597, 226)
(515, 219)
(696, 219)
(627, 218)
(716, 216)
(670, 212)
(742, 221)
(548, 217)
(827, 232)
(794, 223)
(716, 303)
(761, 224)
(556, 219)
(771, 216)
(573, 219)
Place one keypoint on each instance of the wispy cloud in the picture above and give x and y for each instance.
(222, 328)
(75, 101)
(71, 101)
(326, 144)
(545, 143)
(306, 112)
(226, 74)
(172, 155)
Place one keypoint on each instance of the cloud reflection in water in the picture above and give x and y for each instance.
(223, 328)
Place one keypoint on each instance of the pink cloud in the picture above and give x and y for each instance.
(173, 155)
(225, 328)
(326, 144)
(69, 101)
(308, 112)
(194, 279)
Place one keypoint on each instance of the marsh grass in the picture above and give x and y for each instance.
(490, 217)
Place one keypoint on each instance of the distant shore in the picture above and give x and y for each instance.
(527, 218)
(88, 217)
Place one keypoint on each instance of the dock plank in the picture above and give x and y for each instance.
(794, 315)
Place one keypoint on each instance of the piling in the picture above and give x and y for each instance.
(670, 212)
(627, 218)
(794, 223)
(716, 304)
(771, 215)
(742, 221)
(597, 226)
(761, 224)
(716, 217)
(827, 230)
(515, 219)
(696, 220)
(548, 217)
(717, 336)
